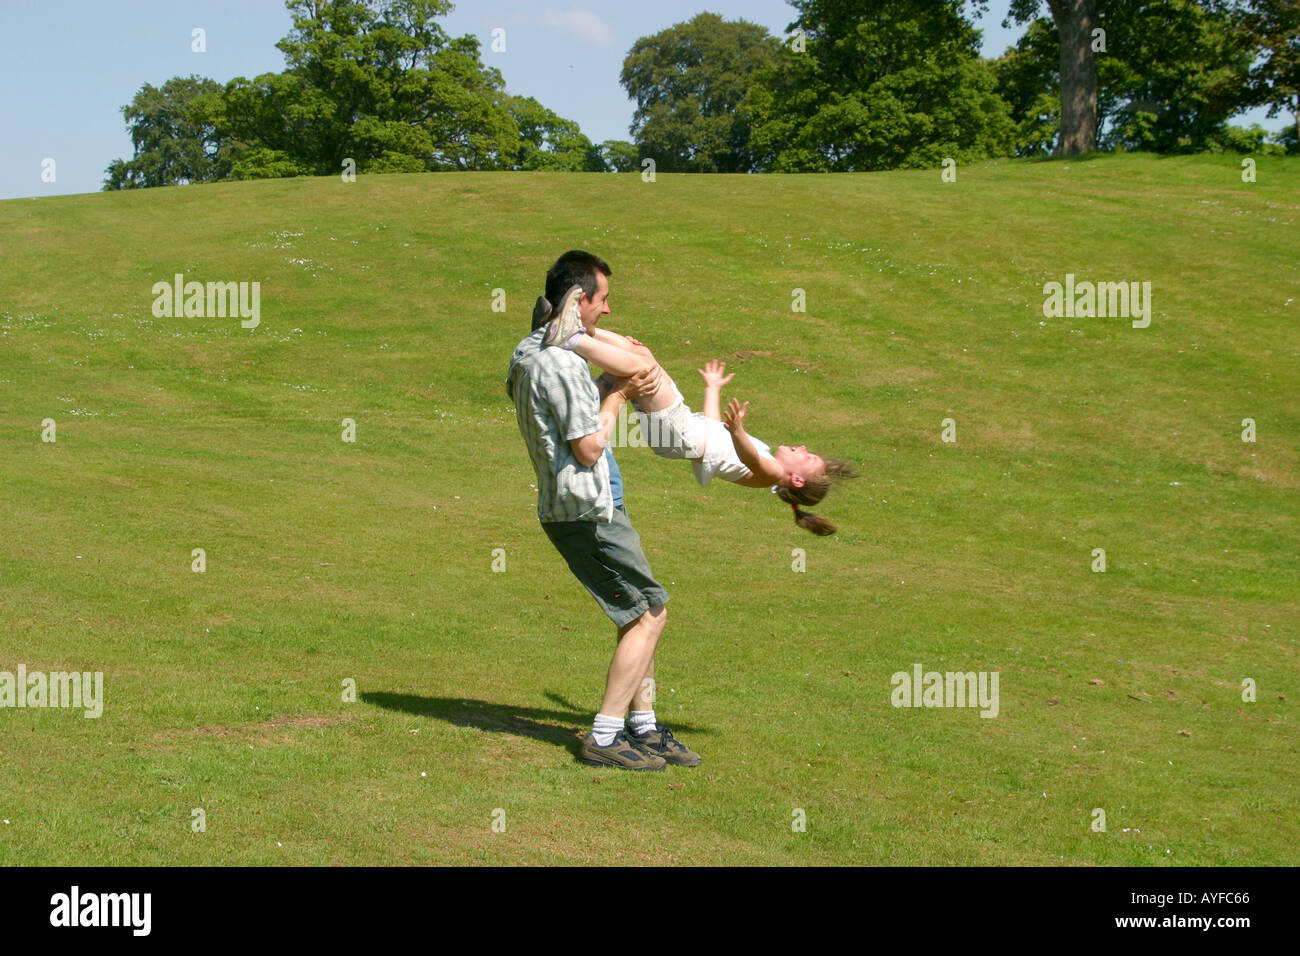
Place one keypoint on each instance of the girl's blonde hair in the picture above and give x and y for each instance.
(814, 490)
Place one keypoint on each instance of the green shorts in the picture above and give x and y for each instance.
(607, 559)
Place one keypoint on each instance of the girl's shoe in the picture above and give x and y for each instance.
(567, 321)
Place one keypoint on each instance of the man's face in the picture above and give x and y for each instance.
(591, 309)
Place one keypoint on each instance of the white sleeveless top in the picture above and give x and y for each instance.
(720, 459)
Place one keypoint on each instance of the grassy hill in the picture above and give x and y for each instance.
(371, 561)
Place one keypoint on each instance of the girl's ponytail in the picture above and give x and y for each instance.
(811, 522)
(814, 490)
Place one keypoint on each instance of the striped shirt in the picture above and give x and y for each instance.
(556, 401)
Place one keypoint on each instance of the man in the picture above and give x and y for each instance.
(566, 429)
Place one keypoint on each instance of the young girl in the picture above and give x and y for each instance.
(672, 430)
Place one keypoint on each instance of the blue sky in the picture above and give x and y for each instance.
(68, 66)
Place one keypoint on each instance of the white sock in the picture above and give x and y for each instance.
(643, 721)
(605, 729)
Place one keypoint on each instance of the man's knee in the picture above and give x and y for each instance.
(650, 622)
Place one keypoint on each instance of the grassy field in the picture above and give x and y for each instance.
(371, 561)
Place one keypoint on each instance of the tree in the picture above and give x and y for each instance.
(400, 92)
(879, 84)
(1028, 81)
(1175, 76)
(174, 135)
(1256, 140)
(1168, 78)
(277, 125)
(1288, 138)
(687, 82)
(377, 82)
(548, 141)
(619, 156)
(1075, 22)
(1273, 26)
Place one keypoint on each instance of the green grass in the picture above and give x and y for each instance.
(372, 561)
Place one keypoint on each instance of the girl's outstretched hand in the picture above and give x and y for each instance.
(713, 374)
(735, 420)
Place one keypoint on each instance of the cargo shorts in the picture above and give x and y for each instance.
(606, 557)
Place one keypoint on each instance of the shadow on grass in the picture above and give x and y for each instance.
(564, 728)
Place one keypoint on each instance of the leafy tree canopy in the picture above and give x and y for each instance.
(687, 82)
(878, 84)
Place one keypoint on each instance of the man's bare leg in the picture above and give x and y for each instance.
(644, 698)
(633, 661)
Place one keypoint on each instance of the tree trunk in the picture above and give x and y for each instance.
(1075, 21)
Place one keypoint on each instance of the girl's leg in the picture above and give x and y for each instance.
(615, 357)
(605, 335)
(621, 359)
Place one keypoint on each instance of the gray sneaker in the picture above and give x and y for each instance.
(620, 753)
(566, 319)
(660, 742)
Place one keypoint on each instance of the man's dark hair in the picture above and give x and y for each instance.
(575, 267)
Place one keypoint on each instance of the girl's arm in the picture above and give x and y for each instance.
(765, 470)
(714, 380)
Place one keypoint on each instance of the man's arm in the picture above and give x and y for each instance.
(589, 448)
